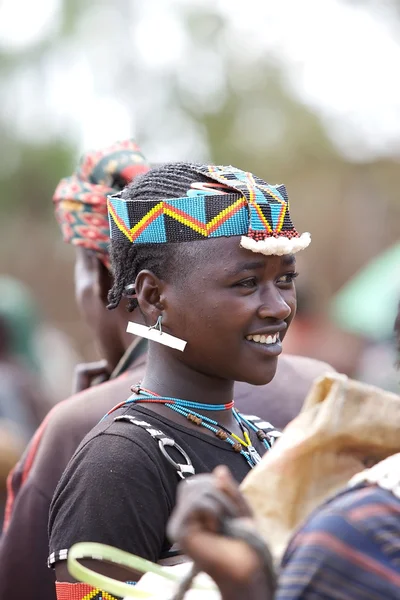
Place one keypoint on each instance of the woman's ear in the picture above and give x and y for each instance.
(149, 290)
(104, 281)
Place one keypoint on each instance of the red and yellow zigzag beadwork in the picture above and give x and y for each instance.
(164, 208)
(251, 186)
(118, 221)
(254, 203)
(80, 591)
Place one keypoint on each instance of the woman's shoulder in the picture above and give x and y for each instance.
(115, 463)
(114, 490)
(116, 441)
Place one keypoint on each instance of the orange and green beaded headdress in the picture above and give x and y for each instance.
(238, 203)
(81, 200)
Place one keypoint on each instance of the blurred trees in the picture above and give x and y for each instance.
(218, 102)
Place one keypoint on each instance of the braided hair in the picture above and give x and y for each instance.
(170, 180)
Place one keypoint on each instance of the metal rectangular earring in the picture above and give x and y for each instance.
(156, 334)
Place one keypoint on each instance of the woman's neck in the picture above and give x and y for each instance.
(167, 376)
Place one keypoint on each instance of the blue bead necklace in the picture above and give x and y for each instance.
(189, 410)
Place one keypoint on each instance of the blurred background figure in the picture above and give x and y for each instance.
(45, 352)
(355, 334)
(36, 368)
(22, 403)
(315, 334)
(366, 307)
(22, 399)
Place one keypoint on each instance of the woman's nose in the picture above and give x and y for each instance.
(274, 306)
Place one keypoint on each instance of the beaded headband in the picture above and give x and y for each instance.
(248, 207)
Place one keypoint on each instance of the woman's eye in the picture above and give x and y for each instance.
(287, 278)
(247, 283)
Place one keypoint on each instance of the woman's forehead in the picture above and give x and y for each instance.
(225, 255)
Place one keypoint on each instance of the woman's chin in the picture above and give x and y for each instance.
(261, 376)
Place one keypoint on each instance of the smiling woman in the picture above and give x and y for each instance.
(213, 266)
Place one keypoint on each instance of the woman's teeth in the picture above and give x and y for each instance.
(263, 339)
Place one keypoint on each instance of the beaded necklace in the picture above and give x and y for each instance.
(189, 410)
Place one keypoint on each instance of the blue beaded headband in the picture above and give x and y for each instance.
(252, 209)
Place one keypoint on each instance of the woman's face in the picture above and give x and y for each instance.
(233, 307)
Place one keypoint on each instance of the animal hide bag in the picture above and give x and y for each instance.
(343, 427)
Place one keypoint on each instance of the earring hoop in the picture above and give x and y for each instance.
(129, 291)
(156, 334)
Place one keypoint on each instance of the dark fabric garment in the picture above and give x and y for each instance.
(348, 550)
(24, 543)
(120, 490)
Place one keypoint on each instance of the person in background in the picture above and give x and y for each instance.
(16, 409)
(81, 208)
(20, 394)
(42, 348)
(314, 335)
(20, 376)
(22, 403)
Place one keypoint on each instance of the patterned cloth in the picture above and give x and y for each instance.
(348, 550)
(81, 200)
(80, 591)
(250, 208)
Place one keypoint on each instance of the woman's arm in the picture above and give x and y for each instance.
(114, 493)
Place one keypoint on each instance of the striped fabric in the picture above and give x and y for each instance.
(348, 550)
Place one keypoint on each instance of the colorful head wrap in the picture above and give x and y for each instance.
(238, 204)
(81, 200)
